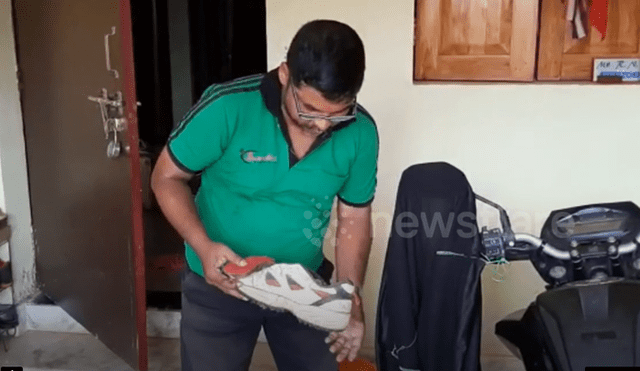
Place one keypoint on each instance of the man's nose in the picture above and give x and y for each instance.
(322, 124)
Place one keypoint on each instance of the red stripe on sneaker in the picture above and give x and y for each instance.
(321, 294)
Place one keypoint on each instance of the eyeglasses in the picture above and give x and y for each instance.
(335, 120)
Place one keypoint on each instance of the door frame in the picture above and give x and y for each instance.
(137, 243)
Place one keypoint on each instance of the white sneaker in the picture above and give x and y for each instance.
(293, 288)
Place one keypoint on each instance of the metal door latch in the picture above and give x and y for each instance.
(113, 120)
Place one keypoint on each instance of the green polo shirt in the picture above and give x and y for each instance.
(255, 196)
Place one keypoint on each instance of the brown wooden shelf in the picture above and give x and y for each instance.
(516, 41)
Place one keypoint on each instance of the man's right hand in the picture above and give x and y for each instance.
(213, 258)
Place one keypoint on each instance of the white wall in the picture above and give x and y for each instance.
(14, 192)
(6, 296)
(531, 147)
(5, 65)
(3, 206)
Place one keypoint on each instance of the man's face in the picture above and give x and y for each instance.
(308, 110)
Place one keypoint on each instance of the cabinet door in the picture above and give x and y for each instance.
(564, 58)
(488, 40)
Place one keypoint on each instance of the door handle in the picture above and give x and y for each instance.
(107, 52)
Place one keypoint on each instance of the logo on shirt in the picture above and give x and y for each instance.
(252, 157)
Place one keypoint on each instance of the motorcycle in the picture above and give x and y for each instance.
(589, 314)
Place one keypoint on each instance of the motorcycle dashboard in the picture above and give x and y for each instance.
(592, 224)
(598, 225)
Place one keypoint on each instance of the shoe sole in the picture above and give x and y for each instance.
(314, 316)
(254, 264)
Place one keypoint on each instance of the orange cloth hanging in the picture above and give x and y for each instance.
(598, 16)
(358, 364)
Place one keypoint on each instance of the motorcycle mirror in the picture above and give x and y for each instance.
(504, 218)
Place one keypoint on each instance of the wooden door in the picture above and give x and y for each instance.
(86, 207)
(480, 40)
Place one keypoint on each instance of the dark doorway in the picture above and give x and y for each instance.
(181, 47)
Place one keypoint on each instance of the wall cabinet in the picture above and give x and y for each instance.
(515, 40)
(561, 57)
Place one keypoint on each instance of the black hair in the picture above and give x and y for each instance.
(329, 57)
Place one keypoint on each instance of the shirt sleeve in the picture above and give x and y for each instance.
(359, 188)
(202, 136)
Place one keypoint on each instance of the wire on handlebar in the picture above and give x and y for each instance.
(496, 265)
(499, 266)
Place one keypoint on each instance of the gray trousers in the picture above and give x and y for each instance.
(219, 332)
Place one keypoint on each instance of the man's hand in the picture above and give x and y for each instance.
(353, 244)
(347, 343)
(213, 258)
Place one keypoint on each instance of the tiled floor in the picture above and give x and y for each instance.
(54, 351)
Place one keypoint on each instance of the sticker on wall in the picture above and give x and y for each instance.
(616, 70)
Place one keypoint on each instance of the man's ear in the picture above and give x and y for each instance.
(283, 73)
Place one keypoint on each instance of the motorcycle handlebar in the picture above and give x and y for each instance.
(552, 251)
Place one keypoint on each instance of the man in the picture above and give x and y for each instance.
(273, 150)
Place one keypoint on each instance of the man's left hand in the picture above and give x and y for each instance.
(347, 343)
